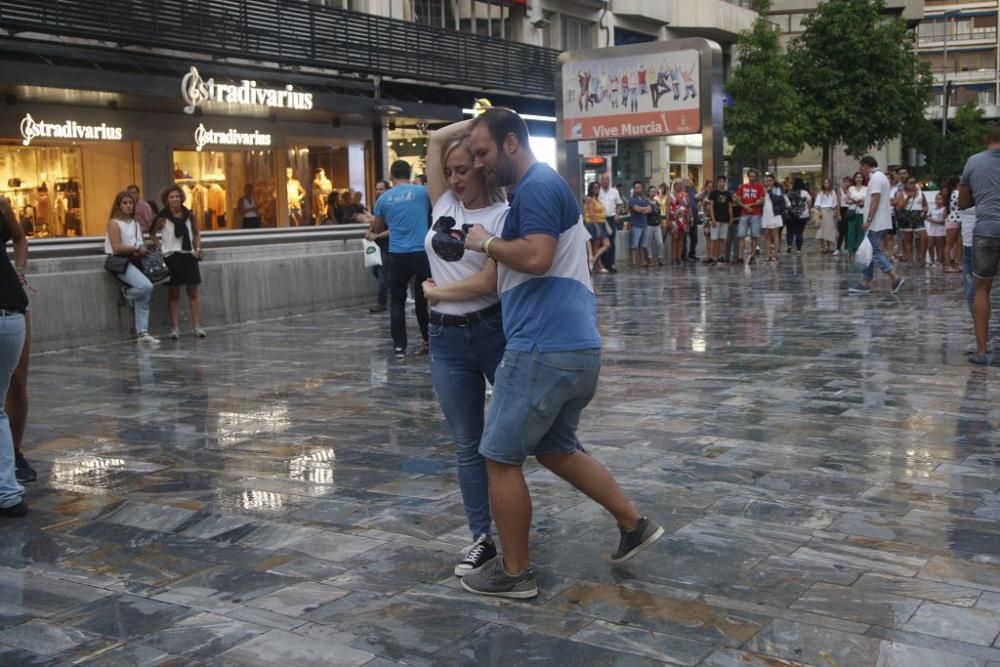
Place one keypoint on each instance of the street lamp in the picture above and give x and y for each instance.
(944, 75)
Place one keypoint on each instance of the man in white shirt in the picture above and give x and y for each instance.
(611, 199)
(878, 222)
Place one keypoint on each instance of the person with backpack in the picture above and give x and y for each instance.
(775, 205)
(799, 200)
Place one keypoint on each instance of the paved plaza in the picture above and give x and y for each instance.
(284, 493)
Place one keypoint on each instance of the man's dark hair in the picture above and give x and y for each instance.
(993, 136)
(870, 161)
(721, 178)
(400, 170)
(501, 122)
(753, 171)
(635, 183)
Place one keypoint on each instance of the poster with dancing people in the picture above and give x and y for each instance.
(631, 96)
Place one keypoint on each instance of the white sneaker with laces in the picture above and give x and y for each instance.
(175, 334)
(971, 347)
(199, 332)
(147, 339)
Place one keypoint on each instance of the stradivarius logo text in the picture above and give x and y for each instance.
(205, 137)
(197, 90)
(67, 129)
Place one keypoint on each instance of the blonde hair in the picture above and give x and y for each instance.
(116, 211)
(494, 193)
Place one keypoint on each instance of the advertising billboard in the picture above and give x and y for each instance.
(630, 96)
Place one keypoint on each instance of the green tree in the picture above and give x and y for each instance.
(946, 156)
(765, 117)
(859, 76)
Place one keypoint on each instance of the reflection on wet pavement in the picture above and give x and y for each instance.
(826, 468)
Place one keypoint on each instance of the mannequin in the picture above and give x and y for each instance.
(321, 189)
(295, 194)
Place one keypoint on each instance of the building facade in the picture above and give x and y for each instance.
(959, 40)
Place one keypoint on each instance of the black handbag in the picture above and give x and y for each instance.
(154, 266)
(116, 264)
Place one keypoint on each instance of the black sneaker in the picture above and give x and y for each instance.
(14, 511)
(632, 542)
(612, 269)
(896, 285)
(476, 556)
(399, 352)
(24, 472)
(493, 581)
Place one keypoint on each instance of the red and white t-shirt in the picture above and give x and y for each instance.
(751, 192)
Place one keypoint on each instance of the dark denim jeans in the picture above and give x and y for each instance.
(404, 267)
(462, 359)
(608, 258)
(381, 273)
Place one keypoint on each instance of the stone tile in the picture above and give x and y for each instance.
(125, 617)
(283, 648)
(298, 599)
(48, 639)
(22, 592)
(336, 547)
(493, 645)
(730, 657)
(937, 644)
(10, 655)
(958, 596)
(975, 626)
(818, 646)
(858, 604)
(637, 641)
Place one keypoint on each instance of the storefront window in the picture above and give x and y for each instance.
(213, 182)
(61, 190)
(314, 173)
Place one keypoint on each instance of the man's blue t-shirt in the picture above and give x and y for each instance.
(406, 210)
(639, 220)
(555, 312)
(982, 175)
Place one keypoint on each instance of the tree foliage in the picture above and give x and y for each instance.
(858, 74)
(765, 117)
(946, 156)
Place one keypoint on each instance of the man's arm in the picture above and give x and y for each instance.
(965, 198)
(378, 225)
(437, 184)
(532, 254)
(873, 206)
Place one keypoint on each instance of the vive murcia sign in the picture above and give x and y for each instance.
(197, 90)
(66, 129)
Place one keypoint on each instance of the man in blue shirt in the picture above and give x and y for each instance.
(639, 210)
(405, 210)
(552, 361)
(980, 187)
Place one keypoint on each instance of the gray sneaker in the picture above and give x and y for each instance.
(860, 288)
(980, 359)
(492, 580)
(896, 285)
(646, 532)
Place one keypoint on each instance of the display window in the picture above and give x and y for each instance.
(65, 190)
(213, 183)
(315, 173)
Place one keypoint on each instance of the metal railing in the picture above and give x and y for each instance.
(294, 32)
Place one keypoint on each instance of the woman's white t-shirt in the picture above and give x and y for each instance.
(826, 199)
(769, 220)
(171, 242)
(858, 194)
(129, 231)
(914, 203)
(472, 262)
(252, 213)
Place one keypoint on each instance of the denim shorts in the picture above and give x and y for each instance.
(985, 256)
(637, 237)
(749, 223)
(537, 401)
(597, 232)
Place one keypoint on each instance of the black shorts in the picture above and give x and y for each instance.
(184, 269)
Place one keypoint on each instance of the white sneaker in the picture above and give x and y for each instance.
(147, 339)
(971, 347)
(199, 332)
(836, 253)
(175, 334)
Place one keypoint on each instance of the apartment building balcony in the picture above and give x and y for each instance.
(968, 40)
(288, 34)
(985, 75)
(721, 20)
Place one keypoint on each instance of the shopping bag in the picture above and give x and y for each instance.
(863, 257)
(373, 256)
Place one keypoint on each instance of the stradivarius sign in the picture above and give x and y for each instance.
(197, 90)
(206, 137)
(66, 129)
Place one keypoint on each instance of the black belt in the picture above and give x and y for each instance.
(444, 320)
(4, 312)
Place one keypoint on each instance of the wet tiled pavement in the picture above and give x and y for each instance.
(284, 493)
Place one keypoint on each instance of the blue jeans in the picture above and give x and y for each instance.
(462, 359)
(140, 290)
(968, 280)
(382, 274)
(11, 341)
(875, 238)
(537, 402)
